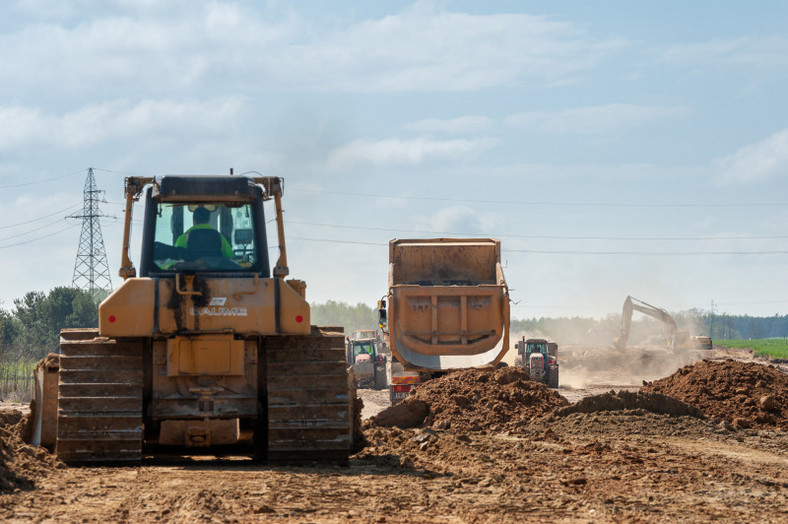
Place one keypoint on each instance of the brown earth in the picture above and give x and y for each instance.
(617, 457)
(474, 400)
(20, 464)
(744, 394)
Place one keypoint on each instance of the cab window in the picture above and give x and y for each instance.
(204, 237)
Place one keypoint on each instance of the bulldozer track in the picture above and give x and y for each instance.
(99, 400)
(309, 406)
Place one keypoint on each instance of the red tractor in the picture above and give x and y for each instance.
(539, 358)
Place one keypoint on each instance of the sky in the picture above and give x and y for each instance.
(614, 147)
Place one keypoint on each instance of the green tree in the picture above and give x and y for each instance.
(360, 316)
(9, 331)
(39, 318)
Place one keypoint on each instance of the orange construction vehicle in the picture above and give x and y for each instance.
(448, 308)
(208, 345)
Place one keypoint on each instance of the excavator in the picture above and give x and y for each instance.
(676, 339)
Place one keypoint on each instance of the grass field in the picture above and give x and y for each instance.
(765, 347)
(16, 380)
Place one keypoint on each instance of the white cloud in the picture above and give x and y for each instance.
(757, 162)
(453, 126)
(595, 120)
(155, 50)
(99, 123)
(461, 220)
(765, 52)
(399, 152)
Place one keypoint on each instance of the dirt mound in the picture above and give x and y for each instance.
(20, 464)
(612, 401)
(474, 400)
(745, 394)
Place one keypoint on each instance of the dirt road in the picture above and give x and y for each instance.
(610, 466)
(583, 467)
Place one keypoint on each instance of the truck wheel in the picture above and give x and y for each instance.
(380, 378)
(552, 377)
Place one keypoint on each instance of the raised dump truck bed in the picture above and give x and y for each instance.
(448, 303)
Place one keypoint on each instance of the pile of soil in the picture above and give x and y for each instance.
(628, 400)
(474, 400)
(745, 394)
(20, 464)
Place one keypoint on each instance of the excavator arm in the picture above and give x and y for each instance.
(633, 304)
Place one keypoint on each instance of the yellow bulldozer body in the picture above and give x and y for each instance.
(209, 345)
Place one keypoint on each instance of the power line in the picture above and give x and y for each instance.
(572, 252)
(42, 217)
(39, 238)
(644, 253)
(543, 202)
(339, 241)
(42, 181)
(119, 172)
(31, 231)
(540, 237)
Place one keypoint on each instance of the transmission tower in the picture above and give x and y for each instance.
(91, 272)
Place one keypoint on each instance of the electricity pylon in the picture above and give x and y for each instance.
(91, 272)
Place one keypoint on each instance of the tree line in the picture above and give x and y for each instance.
(31, 329)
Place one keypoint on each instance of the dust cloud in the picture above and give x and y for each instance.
(587, 354)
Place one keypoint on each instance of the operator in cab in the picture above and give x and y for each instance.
(201, 218)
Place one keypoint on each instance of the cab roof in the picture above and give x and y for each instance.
(206, 188)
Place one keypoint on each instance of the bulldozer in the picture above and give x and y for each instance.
(207, 347)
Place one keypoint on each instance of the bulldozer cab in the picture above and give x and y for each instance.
(195, 225)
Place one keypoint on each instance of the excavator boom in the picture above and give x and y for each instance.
(631, 304)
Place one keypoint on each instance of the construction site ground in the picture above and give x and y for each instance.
(492, 448)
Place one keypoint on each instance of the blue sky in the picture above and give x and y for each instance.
(616, 148)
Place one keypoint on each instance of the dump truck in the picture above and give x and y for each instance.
(539, 358)
(367, 359)
(448, 309)
(207, 346)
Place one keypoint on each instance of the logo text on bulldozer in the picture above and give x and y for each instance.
(218, 312)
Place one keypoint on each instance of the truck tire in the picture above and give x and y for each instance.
(380, 377)
(552, 376)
